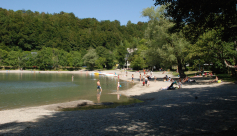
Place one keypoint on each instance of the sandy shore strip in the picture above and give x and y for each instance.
(196, 109)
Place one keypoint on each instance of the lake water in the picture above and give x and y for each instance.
(19, 90)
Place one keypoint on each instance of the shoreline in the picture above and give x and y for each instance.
(136, 90)
(52, 108)
(152, 96)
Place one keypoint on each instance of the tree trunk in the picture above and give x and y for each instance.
(233, 73)
(181, 71)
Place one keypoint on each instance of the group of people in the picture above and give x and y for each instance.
(179, 82)
(145, 79)
(171, 87)
(187, 79)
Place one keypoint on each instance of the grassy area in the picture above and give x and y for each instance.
(114, 105)
(223, 77)
(188, 73)
(226, 77)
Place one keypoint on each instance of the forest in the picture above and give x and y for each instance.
(191, 38)
(49, 41)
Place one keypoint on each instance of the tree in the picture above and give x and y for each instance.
(100, 62)
(170, 46)
(24, 58)
(69, 59)
(76, 59)
(211, 47)
(106, 55)
(202, 13)
(137, 57)
(13, 58)
(120, 55)
(62, 58)
(44, 58)
(3, 55)
(200, 18)
(33, 31)
(90, 58)
(138, 62)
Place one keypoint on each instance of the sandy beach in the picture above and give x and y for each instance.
(200, 108)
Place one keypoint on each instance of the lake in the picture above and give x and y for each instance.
(19, 90)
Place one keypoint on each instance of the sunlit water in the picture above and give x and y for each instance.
(19, 90)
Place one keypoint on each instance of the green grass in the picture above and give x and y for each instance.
(188, 73)
(223, 77)
(226, 77)
(114, 105)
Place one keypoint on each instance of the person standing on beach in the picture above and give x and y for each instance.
(98, 86)
(140, 77)
(146, 81)
(155, 78)
(132, 77)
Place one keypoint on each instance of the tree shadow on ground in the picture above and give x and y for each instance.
(166, 112)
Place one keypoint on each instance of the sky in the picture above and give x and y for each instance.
(121, 10)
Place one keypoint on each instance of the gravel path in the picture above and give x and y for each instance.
(166, 112)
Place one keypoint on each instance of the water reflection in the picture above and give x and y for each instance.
(98, 96)
(118, 96)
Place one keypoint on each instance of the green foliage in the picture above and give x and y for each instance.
(76, 59)
(168, 47)
(31, 60)
(44, 58)
(100, 62)
(105, 55)
(62, 57)
(69, 59)
(61, 39)
(121, 52)
(138, 62)
(90, 58)
(13, 59)
(212, 49)
(199, 16)
(33, 30)
(24, 59)
(3, 56)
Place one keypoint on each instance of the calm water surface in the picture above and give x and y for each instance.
(19, 90)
